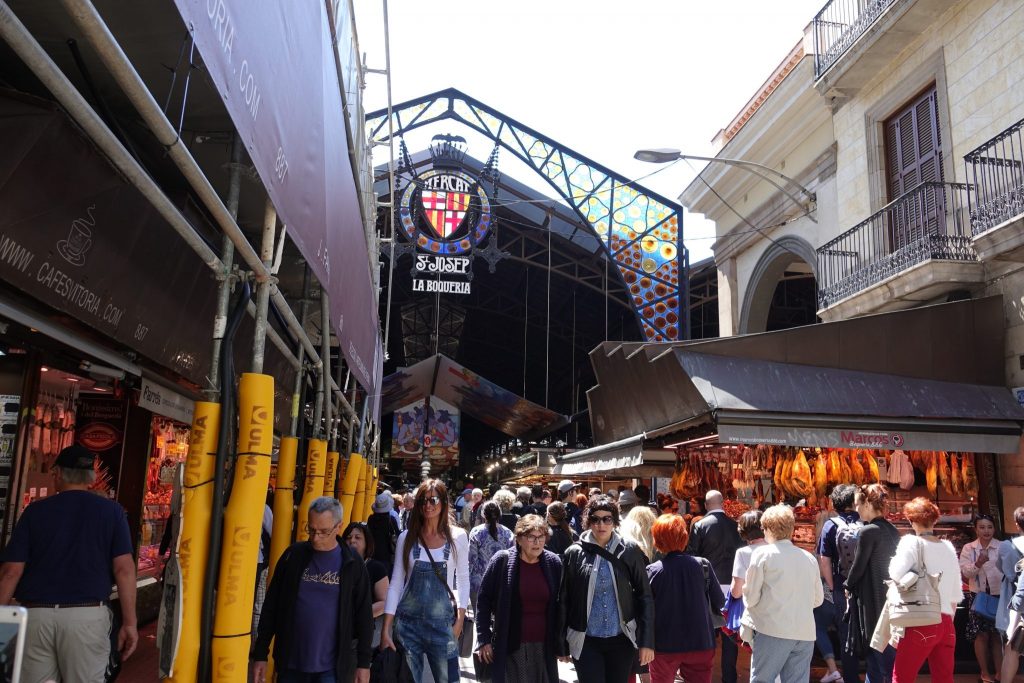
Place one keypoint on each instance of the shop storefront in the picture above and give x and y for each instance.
(786, 416)
(54, 396)
(914, 399)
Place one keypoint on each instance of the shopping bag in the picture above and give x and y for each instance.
(915, 602)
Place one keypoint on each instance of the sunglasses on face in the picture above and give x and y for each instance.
(601, 519)
(430, 500)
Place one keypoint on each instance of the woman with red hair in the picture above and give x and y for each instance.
(934, 643)
(683, 585)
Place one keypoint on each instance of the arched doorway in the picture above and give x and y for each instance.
(782, 289)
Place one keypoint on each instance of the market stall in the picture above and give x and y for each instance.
(915, 399)
(754, 476)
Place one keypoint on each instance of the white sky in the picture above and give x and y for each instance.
(602, 78)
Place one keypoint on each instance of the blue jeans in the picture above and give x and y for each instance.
(879, 665)
(290, 676)
(824, 616)
(788, 659)
(424, 621)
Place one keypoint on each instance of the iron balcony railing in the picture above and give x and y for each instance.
(997, 174)
(838, 26)
(928, 222)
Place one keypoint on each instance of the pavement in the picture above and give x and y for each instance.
(142, 666)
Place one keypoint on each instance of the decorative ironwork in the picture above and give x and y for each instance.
(641, 232)
(838, 26)
(928, 222)
(997, 172)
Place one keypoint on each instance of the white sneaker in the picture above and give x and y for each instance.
(834, 677)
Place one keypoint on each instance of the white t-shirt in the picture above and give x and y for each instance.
(939, 558)
(742, 561)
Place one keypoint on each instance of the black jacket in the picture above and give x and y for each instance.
(716, 538)
(876, 544)
(355, 613)
(499, 602)
(632, 585)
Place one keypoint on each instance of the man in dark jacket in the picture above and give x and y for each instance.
(318, 607)
(716, 538)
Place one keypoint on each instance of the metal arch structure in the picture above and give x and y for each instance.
(640, 232)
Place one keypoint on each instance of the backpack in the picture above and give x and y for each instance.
(846, 544)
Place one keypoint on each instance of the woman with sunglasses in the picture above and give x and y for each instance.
(517, 615)
(429, 590)
(358, 538)
(605, 599)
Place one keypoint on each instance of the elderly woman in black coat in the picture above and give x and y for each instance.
(517, 615)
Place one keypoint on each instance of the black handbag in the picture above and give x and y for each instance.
(483, 671)
(466, 637)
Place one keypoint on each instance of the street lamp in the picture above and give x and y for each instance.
(664, 155)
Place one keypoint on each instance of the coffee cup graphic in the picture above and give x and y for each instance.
(79, 240)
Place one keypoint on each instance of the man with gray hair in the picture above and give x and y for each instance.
(318, 604)
(65, 554)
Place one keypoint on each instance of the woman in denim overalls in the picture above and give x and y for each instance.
(419, 605)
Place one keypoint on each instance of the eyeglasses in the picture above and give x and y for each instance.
(313, 533)
(430, 500)
(603, 519)
(536, 538)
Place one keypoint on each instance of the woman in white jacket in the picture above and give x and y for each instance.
(429, 590)
(934, 643)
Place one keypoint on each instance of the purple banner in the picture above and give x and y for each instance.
(273, 65)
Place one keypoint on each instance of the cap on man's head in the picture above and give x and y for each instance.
(383, 503)
(565, 485)
(467, 492)
(627, 497)
(75, 457)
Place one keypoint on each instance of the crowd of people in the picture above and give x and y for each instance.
(598, 578)
(530, 576)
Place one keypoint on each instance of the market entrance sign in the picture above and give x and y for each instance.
(445, 215)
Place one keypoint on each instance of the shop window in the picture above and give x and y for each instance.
(169, 446)
(913, 154)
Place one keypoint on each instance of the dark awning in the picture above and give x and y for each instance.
(472, 394)
(632, 457)
(756, 390)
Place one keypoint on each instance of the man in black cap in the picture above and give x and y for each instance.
(65, 554)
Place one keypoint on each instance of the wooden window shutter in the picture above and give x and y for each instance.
(913, 155)
(913, 152)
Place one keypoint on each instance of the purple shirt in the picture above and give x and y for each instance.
(534, 595)
(315, 640)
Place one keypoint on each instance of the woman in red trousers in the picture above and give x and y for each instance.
(934, 643)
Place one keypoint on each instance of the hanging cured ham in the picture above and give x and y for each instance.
(872, 468)
(821, 475)
(856, 469)
(970, 475)
(956, 478)
(942, 459)
(834, 469)
(931, 477)
(800, 475)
